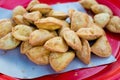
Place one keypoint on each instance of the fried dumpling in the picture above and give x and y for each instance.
(39, 37)
(56, 44)
(102, 47)
(57, 14)
(39, 55)
(49, 23)
(24, 47)
(79, 20)
(72, 39)
(32, 16)
(85, 53)
(102, 19)
(19, 10)
(5, 27)
(99, 8)
(22, 32)
(59, 61)
(114, 24)
(8, 42)
(31, 4)
(19, 19)
(43, 8)
(88, 3)
(90, 33)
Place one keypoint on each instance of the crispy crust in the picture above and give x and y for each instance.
(102, 47)
(72, 39)
(79, 20)
(39, 55)
(99, 8)
(59, 61)
(22, 32)
(24, 47)
(39, 37)
(5, 27)
(8, 42)
(102, 19)
(43, 8)
(49, 23)
(56, 44)
(88, 3)
(114, 24)
(35, 16)
(57, 14)
(19, 10)
(85, 54)
(31, 4)
(90, 33)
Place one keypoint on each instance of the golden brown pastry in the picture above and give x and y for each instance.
(19, 10)
(64, 25)
(39, 37)
(59, 61)
(32, 3)
(18, 19)
(88, 3)
(25, 47)
(79, 20)
(49, 23)
(39, 55)
(22, 32)
(99, 8)
(43, 8)
(56, 44)
(72, 39)
(57, 14)
(91, 33)
(85, 54)
(102, 47)
(114, 24)
(5, 27)
(102, 19)
(8, 42)
(32, 16)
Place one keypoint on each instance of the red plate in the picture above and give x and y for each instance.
(109, 72)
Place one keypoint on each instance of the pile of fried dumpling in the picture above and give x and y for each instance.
(45, 36)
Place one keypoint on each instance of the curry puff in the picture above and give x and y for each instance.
(39, 55)
(32, 16)
(31, 4)
(19, 19)
(72, 39)
(78, 20)
(42, 8)
(90, 33)
(99, 8)
(102, 19)
(102, 47)
(25, 47)
(56, 44)
(39, 37)
(59, 61)
(57, 14)
(19, 10)
(5, 27)
(114, 24)
(8, 42)
(49, 23)
(22, 32)
(88, 3)
(85, 54)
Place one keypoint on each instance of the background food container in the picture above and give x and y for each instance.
(110, 72)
